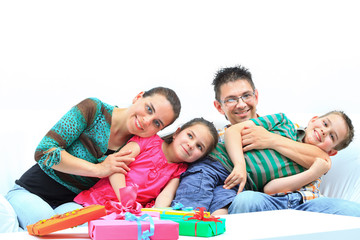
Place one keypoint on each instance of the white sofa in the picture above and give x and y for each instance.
(343, 179)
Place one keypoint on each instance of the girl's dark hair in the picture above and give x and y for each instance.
(169, 138)
(170, 95)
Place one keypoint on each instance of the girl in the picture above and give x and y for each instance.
(72, 156)
(157, 166)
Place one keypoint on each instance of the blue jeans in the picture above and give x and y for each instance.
(250, 201)
(30, 208)
(202, 186)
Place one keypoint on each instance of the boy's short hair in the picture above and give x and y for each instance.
(231, 74)
(350, 129)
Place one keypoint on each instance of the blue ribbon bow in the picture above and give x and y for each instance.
(146, 217)
(179, 206)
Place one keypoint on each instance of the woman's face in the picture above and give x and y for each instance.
(149, 115)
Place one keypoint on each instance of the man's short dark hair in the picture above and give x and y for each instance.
(231, 74)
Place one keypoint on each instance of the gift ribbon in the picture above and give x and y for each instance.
(200, 215)
(179, 206)
(116, 210)
(146, 217)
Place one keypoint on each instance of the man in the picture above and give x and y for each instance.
(207, 183)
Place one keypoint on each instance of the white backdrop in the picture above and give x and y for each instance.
(304, 57)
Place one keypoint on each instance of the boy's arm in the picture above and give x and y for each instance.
(166, 196)
(117, 180)
(257, 137)
(297, 181)
(233, 144)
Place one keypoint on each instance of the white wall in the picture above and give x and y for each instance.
(304, 57)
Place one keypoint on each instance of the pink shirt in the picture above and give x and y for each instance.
(150, 171)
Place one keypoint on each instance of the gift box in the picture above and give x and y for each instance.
(198, 225)
(134, 228)
(67, 220)
(171, 211)
(121, 216)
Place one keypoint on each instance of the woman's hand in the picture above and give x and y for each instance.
(237, 176)
(256, 137)
(115, 163)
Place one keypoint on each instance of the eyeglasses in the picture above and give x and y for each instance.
(232, 101)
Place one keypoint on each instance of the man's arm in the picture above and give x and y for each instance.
(257, 137)
(297, 181)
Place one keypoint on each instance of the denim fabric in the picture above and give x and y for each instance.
(8, 218)
(30, 208)
(250, 201)
(197, 185)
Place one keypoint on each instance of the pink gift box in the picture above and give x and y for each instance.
(128, 230)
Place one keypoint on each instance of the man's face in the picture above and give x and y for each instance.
(242, 110)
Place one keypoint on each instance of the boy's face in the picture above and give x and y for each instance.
(326, 132)
(241, 111)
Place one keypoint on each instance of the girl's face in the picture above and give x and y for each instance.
(191, 143)
(149, 115)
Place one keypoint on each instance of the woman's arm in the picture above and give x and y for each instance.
(51, 151)
(257, 137)
(295, 182)
(114, 163)
(233, 143)
(166, 196)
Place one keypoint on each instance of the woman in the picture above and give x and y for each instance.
(79, 150)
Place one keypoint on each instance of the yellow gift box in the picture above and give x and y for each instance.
(171, 211)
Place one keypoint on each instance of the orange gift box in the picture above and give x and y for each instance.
(67, 220)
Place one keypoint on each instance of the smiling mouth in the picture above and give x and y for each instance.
(242, 112)
(185, 151)
(317, 135)
(138, 125)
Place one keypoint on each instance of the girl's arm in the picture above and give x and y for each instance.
(117, 180)
(295, 182)
(257, 137)
(233, 143)
(166, 196)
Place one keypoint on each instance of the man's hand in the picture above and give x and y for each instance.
(114, 163)
(256, 137)
(237, 176)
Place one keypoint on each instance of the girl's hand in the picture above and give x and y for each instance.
(237, 176)
(256, 137)
(115, 163)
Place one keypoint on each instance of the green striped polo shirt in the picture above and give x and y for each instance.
(265, 164)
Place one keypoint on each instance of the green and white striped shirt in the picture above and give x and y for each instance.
(266, 164)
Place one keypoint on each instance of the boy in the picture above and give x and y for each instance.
(330, 132)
